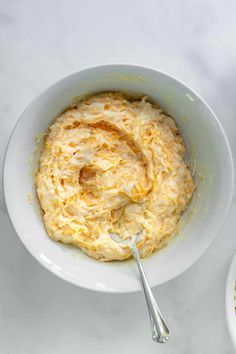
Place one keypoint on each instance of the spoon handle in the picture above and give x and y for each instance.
(160, 331)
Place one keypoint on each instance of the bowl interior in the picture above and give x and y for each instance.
(207, 152)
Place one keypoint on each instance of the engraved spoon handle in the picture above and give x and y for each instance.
(160, 331)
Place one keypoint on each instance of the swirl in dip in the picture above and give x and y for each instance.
(111, 164)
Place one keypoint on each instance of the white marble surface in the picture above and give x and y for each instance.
(42, 41)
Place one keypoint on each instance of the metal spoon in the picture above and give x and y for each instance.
(160, 331)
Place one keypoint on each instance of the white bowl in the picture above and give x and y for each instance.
(229, 300)
(208, 152)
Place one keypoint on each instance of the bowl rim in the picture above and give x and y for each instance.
(97, 67)
(229, 298)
